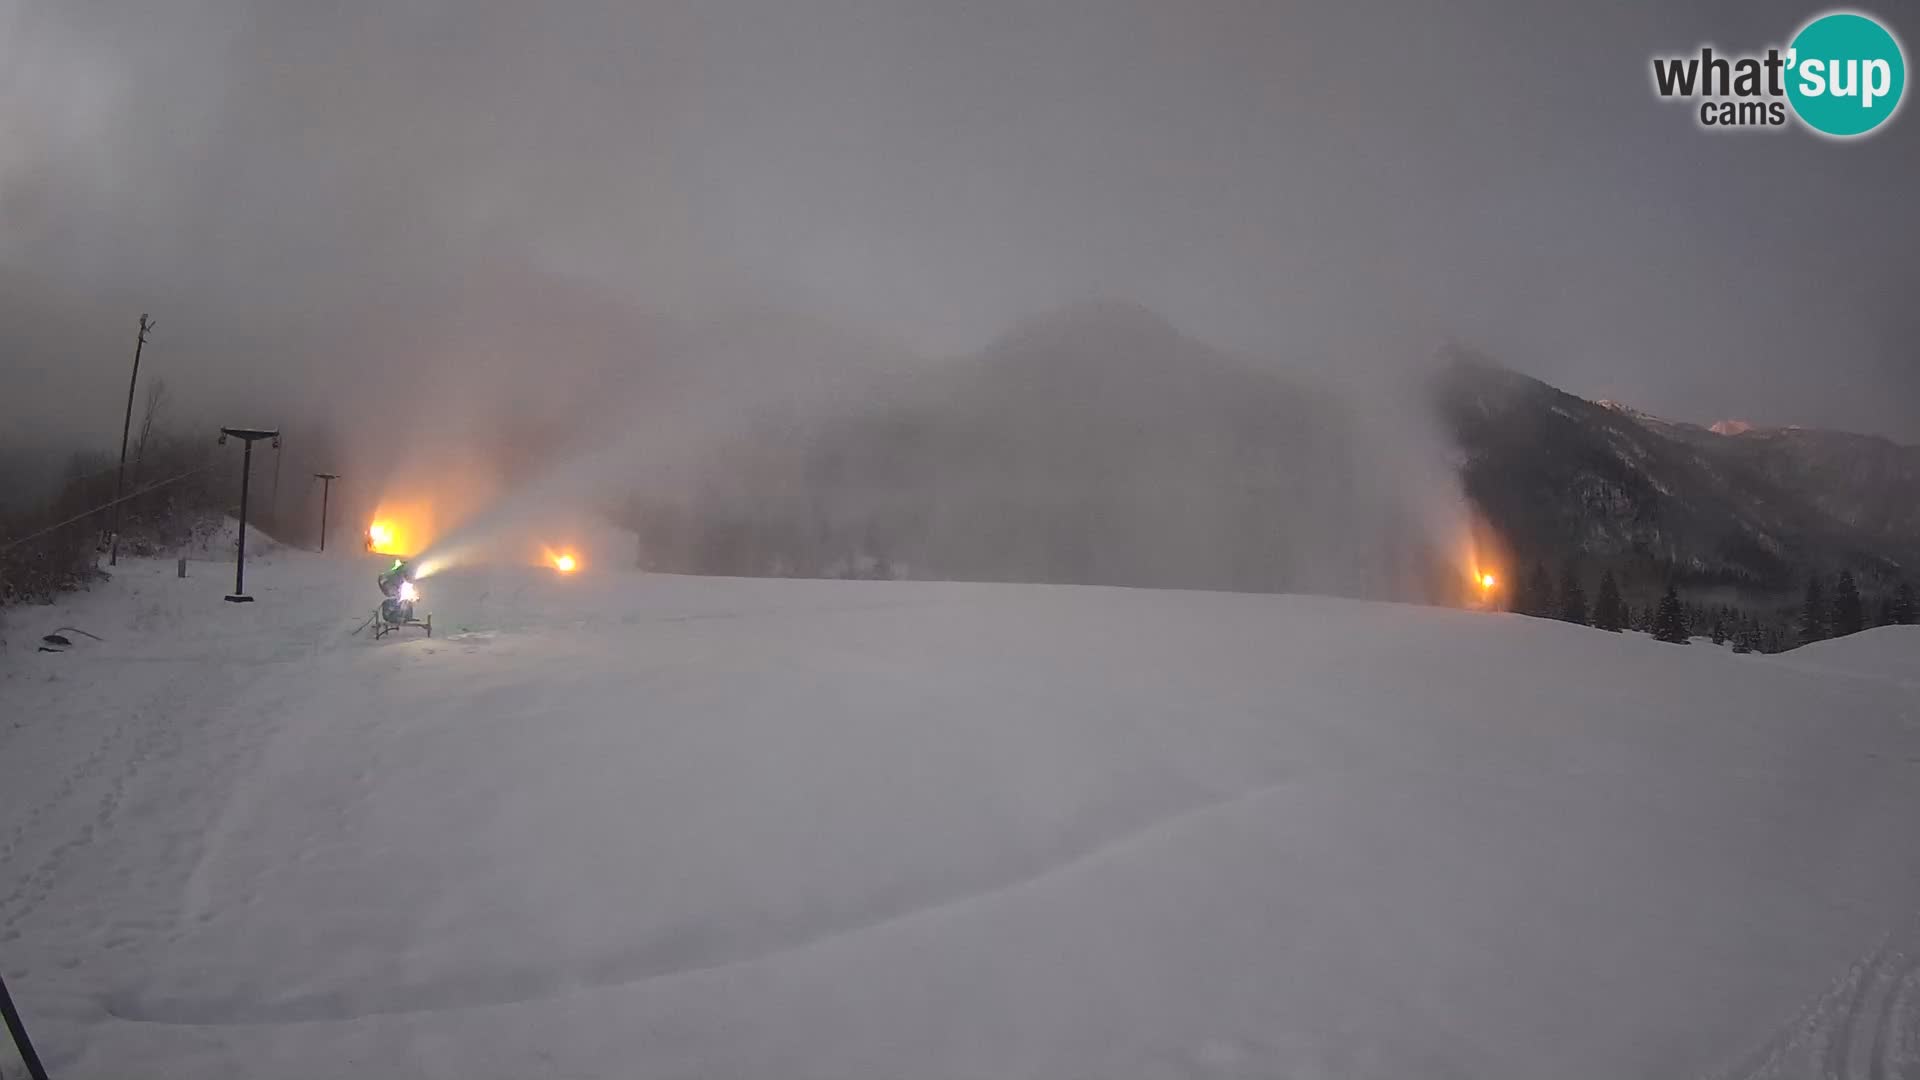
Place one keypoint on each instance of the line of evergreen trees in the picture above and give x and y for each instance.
(1845, 612)
(1672, 619)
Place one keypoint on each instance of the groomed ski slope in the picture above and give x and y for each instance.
(618, 825)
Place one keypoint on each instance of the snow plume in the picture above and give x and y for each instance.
(562, 465)
(1096, 444)
(1404, 523)
(553, 516)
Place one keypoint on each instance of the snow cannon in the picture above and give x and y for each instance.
(395, 576)
(397, 608)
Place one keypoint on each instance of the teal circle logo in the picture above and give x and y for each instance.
(1846, 74)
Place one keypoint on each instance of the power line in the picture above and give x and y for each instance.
(99, 472)
(82, 516)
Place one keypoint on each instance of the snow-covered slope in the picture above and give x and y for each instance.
(1890, 653)
(616, 825)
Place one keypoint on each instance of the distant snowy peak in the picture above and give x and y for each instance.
(1646, 419)
(1728, 428)
(1660, 423)
(1629, 411)
(1718, 427)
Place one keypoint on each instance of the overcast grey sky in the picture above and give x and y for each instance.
(1332, 183)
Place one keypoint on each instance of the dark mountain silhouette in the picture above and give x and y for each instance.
(1758, 508)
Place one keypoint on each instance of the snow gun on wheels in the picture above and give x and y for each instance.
(397, 610)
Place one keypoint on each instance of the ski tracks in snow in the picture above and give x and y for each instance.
(121, 758)
(630, 967)
(92, 791)
(1866, 1026)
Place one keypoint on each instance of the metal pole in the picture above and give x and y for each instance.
(126, 425)
(273, 501)
(240, 563)
(326, 489)
(18, 1030)
(248, 436)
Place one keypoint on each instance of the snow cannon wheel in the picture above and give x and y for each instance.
(382, 625)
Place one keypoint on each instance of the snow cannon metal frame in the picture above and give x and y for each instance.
(396, 610)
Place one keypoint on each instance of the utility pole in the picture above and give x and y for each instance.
(249, 436)
(326, 488)
(119, 478)
(273, 501)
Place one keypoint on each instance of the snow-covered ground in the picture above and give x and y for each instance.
(616, 825)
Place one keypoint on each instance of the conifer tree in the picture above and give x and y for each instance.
(1813, 613)
(1906, 606)
(1539, 592)
(1743, 636)
(1719, 632)
(1519, 597)
(1670, 619)
(1609, 611)
(1849, 613)
(1573, 598)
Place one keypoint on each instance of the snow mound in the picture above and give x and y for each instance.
(1885, 652)
(216, 539)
